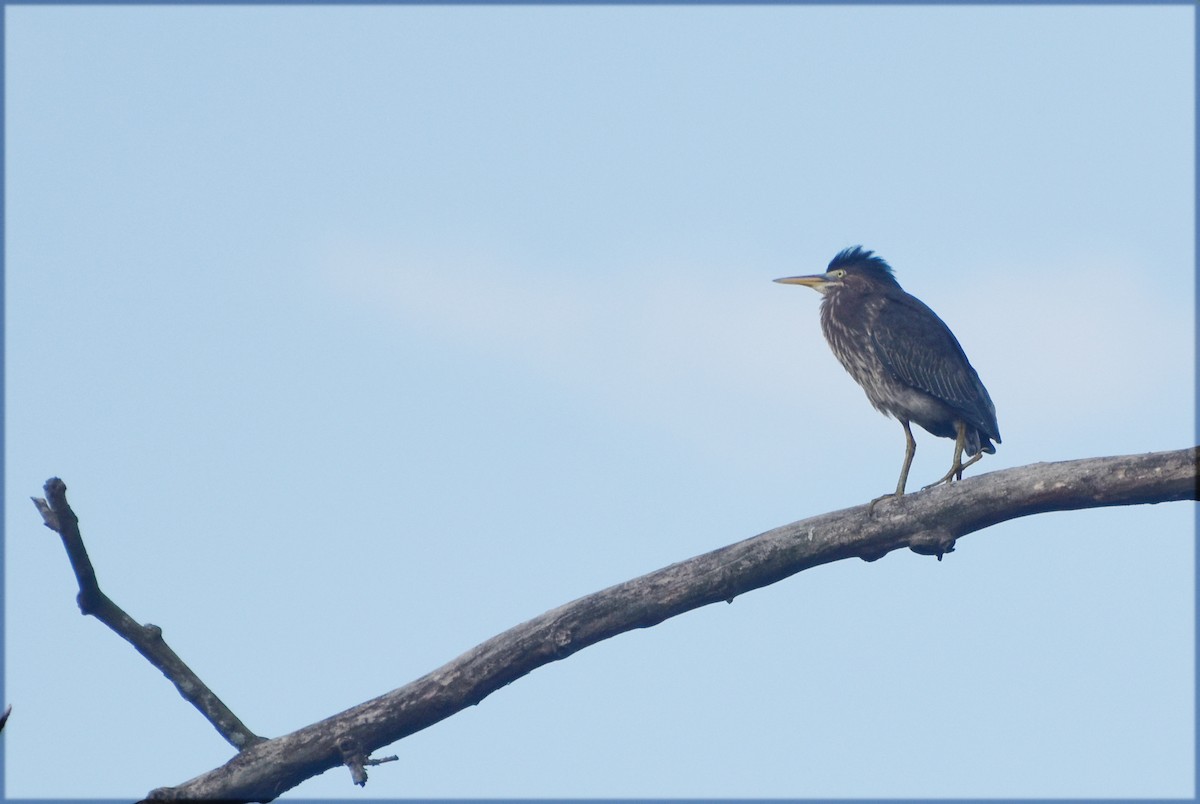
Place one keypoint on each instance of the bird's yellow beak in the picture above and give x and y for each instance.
(818, 282)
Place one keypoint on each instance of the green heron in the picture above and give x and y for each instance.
(904, 357)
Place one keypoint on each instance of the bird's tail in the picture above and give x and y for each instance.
(977, 442)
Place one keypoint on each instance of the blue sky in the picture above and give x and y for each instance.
(362, 334)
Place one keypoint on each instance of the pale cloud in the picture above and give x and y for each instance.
(627, 333)
(1066, 352)
(1087, 348)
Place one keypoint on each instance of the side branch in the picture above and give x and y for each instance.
(146, 639)
(928, 522)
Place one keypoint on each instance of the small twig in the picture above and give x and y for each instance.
(147, 639)
(356, 759)
(49, 519)
(4, 717)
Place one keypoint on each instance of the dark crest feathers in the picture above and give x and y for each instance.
(865, 261)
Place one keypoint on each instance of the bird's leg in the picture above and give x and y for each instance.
(956, 468)
(910, 449)
(978, 455)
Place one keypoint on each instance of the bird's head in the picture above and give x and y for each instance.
(854, 267)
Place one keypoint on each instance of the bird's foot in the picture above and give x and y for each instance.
(888, 496)
(955, 473)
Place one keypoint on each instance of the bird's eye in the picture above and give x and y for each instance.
(838, 273)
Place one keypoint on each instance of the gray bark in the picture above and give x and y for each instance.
(927, 522)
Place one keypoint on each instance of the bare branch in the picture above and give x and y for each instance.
(147, 639)
(927, 522)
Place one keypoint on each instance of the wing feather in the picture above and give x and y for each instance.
(921, 351)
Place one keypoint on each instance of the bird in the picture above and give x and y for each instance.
(905, 358)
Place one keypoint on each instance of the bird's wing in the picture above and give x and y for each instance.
(921, 351)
